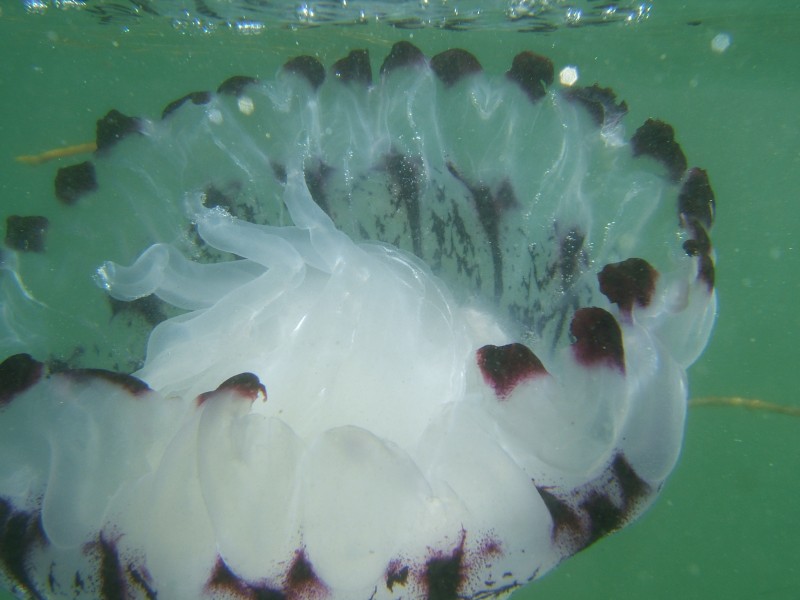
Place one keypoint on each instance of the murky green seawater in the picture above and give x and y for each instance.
(728, 522)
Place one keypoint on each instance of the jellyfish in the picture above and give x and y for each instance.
(414, 331)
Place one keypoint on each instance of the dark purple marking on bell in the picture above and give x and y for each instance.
(18, 373)
(317, 177)
(445, 574)
(307, 67)
(20, 534)
(605, 517)
(583, 515)
(246, 385)
(75, 181)
(114, 127)
(598, 339)
(706, 271)
(533, 73)
(301, 581)
(699, 244)
(78, 585)
(566, 522)
(396, 574)
(600, 103)
(505, 367)
(141, 579)
(696, 199)
(657, 139)
(236, 85)
(634, 488)
(224, 580)
(405, 180)
(628, 283)
(26, 234)
(451, 66)
(403, 54)
(197, 98)
(490, 206)
(354, 68)
(129, 383)
(113, 583)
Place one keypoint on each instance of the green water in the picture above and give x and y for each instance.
(728, 522)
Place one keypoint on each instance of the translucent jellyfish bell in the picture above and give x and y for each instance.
(432, 338)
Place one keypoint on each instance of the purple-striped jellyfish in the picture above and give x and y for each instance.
(428, 336)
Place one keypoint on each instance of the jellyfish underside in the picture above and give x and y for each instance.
(432, 338)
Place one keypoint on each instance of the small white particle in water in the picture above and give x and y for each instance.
(568, 76)
(215, 116)
(720, 42)
(245, 104)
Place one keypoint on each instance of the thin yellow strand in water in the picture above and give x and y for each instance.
(37, 159)
(750, 403)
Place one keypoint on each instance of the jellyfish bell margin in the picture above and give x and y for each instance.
(419, 334)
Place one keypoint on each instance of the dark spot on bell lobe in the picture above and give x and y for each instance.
(696, 211)
(505, 367)
(114, 127)
(657, 139)
(533, 73)
(566, 521)
(223, 580)
(628, 283)
(113, 583)
(301, 581)
(403, 54)
(396, 574)
(600, 103)
(74, 182)
(20, 534)
(696, 199)
(236, 85)
(451, 66)
(604, 516)
(633, 487)
(444, 575)
(129, 383)
(197, 98)
(246, 385)
(598, 339)
(354, 68)
(18, 373)
(309, 68)
(26, 234)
